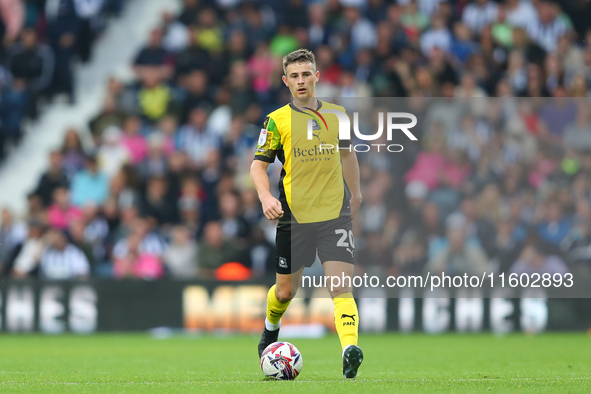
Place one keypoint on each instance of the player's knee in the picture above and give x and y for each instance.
(283, 294)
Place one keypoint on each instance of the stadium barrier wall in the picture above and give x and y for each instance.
(102, 306)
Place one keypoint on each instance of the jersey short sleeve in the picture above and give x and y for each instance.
(269, 142)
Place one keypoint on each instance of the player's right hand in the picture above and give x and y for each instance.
(272, 207)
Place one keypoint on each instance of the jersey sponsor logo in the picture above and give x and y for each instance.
(282, 262)
(311, 152)
(263, 137)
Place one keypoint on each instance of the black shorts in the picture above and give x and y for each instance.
(297, 244)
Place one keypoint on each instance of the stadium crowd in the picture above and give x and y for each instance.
(499, 180)
(40, 41)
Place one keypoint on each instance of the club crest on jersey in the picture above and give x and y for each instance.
(263, 137)
(315, 125)
(282, 262)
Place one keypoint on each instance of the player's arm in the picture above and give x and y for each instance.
(267, 147)
(271, 206)
(351, 174)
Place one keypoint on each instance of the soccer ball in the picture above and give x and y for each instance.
(281, 361)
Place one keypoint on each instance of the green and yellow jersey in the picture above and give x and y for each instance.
(312, 187)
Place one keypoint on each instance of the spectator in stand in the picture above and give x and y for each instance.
(12, 235)
(112, 155)
(460, 256)
(31, 64)
(196, 139)
(577, 135)
(157, 203)
(410, 257)
(520, 13)
(62, 213)
(242, 94)
(479, 14)
(197, 94)
(195, 58)
(52, 179)
(428, 160)
(90, 185)
(576, 247)
(214, 250)
(180, 256)
(76, 231)
(134, 141)
(462, 47)
(12, 15)
(132, 224)
(153, 59)
(155, 97)
(74, 157)
(413, 20)
(508, 244)
(480, 228)
(168, 128)
(96, 230)
(89, 13)
(62, 260)
(156, 163)
(438, 36)
(261, 68)
(362, 31)
(209, 31)
(233, 223)
(27, 260)
(555, 226)
(549, 26)
(176, 35)
(13, 107)
(110, 116)
(318, 31)
(261, 254)
(376, 255)
(135, 263)
(535, 259)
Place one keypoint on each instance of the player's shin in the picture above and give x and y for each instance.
(275, 310)
(346, 319)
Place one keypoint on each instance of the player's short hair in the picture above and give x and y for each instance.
(298, 56)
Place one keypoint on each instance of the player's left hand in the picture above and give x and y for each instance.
(355, 204)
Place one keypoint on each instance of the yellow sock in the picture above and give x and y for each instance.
(275, 309)
(346, 319)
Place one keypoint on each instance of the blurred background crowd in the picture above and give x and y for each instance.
(499, 180)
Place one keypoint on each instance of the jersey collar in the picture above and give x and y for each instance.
(292, 106)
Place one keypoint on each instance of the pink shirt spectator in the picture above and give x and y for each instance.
(456, 174)
(145, 266)
(137, 147)
(426, 169)
(261, 69)
(12, 13)
(542, 169)
(61, 219)
(168, 145)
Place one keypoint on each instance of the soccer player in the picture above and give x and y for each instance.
(319, 195)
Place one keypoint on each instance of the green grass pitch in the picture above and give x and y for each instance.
(394, 363)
